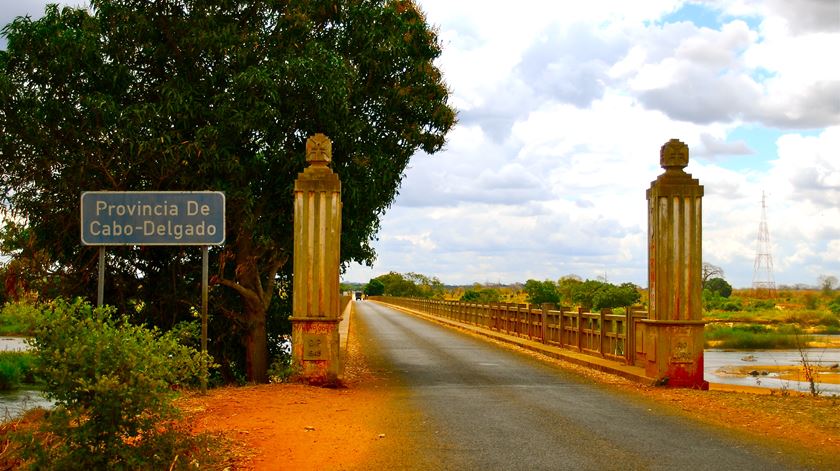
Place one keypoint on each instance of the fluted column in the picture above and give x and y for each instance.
(317, 242)
(674, 329)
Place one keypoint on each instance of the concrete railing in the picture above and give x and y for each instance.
(604, 334)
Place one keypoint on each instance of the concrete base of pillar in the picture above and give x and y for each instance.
(316, 350)
(674, 353)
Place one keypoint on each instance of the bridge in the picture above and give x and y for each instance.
(666, 342)
(492, 408)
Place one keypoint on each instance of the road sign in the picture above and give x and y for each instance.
(153, 218)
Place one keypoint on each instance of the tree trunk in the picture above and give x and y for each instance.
(256, 345)
(256, 298)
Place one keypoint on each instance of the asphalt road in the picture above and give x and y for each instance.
(495, 409)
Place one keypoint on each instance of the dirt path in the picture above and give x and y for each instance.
(369, 424)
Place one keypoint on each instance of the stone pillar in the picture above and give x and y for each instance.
(315, 302)
(674, 328)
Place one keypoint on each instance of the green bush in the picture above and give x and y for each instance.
(16, 368)
(481, 295)
(761, 305)
(19, 318)
(754, 336)
(112, 383)
(719, 286)
(834, 305)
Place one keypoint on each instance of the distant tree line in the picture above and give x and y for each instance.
(588, 294)
(407, 285)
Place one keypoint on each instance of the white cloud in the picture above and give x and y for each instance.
(563, 108)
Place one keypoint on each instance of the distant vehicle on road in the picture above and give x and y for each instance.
(358, 295)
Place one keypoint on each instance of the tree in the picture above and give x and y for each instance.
(719, 286)
(212, 95)
(710, 271)
(827, 283)
(411, 285)
(584, 293)
(610, 296)
(374, 288)
(566, 287)
(481, 295)
(542, 292)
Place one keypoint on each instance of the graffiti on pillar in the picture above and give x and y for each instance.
(314, 346)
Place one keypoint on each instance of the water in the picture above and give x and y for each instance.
(14, 403)
(13, 344)
(715, 359)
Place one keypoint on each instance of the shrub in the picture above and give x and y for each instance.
(751, 336)
(542, 292)
(112, 383)
(19, 318)
(16, 368)
(719, 286)
(834, 305)
(481, 295)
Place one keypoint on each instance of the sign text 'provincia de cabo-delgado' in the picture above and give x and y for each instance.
(153, 218)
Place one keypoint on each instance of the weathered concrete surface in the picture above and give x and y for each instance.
(491, 408)
(673, 331)
(317, 242)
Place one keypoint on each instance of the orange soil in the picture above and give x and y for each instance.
(289, 426)
(300, 427)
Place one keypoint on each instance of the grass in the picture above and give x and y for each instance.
(19, 318)
(16, 368)
(753, 337)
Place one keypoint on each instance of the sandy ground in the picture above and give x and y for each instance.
(370, 424)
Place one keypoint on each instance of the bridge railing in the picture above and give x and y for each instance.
(603, 334)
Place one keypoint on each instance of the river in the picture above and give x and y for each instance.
(715, 359)
(14, 403)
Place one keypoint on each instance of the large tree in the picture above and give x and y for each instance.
(213, 95)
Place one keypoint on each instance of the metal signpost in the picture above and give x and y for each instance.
(155, 218)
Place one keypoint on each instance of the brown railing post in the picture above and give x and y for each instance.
(544, 321)
(603, 326)
(580, 329)
(629, 336)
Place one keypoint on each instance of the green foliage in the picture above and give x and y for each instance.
(714, 301)
(834, 305)
(540, 292)
(566, 287)
(584, 293)
(411, 285)
(481, 295)
(374, 287)
(282, 368)
(211, 94)
(719, 286)
(19, 318)
(594, 294)
(752, 336)
(112, 383)
(810, 300)
(16, 368)
(611, 296)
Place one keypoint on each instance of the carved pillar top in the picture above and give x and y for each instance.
(673, 155)
(318, 150)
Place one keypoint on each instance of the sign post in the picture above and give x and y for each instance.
(155, 218)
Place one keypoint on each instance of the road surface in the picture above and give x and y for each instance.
(490, 408)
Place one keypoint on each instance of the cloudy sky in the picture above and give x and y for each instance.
(563, 107)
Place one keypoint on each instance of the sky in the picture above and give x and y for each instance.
(563, 107)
